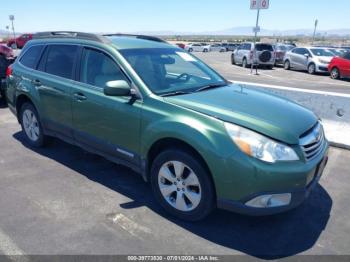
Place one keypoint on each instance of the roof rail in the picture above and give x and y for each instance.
(70, 34)
(144, 37)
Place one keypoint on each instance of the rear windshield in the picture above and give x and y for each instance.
(263, 47)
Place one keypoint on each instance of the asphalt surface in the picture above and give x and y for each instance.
(221, 62)
(63, 200)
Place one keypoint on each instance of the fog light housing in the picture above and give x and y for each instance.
(272, 200)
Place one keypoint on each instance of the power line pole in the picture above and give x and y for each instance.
(12, 18)
(314, 36)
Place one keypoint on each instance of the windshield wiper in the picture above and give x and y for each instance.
(211, 86)
(177, 93)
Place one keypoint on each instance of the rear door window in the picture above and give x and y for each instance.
(32, 56)
(60, 60)
(263, 47)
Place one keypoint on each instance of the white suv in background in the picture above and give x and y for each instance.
(244, 55)
(312, 59)
(197, 47)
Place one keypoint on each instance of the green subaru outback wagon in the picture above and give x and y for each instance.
(201, 141)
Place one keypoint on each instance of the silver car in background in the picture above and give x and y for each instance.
(244, 55)
(217, 48)
(312, 59)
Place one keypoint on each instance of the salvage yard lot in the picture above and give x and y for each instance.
(221, 62)
(62, 200)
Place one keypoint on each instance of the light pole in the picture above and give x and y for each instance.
(8, 31)
(314, 36)
(12, 18)
(256, 30)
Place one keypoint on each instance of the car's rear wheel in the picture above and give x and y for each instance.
(244, 63)
(233, 61)
(287, 65)
(335, 73)
(31, 125)
(182, 185)
(311, 69)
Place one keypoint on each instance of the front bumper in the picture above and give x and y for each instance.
(322, 68)
(298, 197)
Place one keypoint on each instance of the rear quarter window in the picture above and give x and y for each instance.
(32, 56)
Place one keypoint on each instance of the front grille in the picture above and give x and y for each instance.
(312, 142)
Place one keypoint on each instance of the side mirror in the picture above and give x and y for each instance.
(117, 88)
(307, 55)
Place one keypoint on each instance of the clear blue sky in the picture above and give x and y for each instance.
(170, 15)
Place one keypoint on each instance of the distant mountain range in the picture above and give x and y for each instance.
(243, 31)
(246, 30)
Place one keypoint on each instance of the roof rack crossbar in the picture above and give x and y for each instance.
(70, 34)
(144, 37)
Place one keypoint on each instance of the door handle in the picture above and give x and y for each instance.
(36, 82)
(79, 97)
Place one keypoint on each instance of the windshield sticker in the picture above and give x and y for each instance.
(186, 57)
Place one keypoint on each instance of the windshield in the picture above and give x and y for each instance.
(170, 70)
(338, 52)
(321, 52)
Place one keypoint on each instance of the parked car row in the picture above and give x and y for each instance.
(204, 47)
(334, 60)
(319, 60)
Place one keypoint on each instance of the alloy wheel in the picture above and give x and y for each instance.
(179, 186)
(31, 125)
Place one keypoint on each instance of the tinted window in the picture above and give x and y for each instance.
(31, 56)
(347, 56)
(60, 60)
(263, 47)
(97, 69)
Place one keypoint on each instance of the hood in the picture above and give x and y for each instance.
(273, 116)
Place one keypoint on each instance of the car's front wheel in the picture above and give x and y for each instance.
(31, 125)
(182, 185)
(233, 61)
(311, 69)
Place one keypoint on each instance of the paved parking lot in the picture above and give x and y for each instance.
(277, 76)
(62, 200)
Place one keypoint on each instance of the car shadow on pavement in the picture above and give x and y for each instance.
(270, 237)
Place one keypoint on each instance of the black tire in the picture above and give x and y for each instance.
(42, 139)
(207, 200)
(244, 63)
(286, 65)
(190, 50)
(311, 69)
(270, 67)
(2, 98)
(233, 62)
(335, 73)
(205, 50)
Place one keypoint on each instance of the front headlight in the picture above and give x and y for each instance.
(259, 146)
(323, 61)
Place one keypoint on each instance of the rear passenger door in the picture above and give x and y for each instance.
(53, 81)
(109, 125)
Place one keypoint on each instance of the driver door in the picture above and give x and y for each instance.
(109, 125)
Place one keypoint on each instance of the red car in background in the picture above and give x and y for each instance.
(20, 41)
(339, 67)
